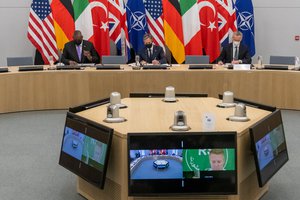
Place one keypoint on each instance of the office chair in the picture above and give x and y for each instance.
(252, 104)
(90, 105)
(159, 95)
(196, 59)
(282, 60)
(114, 60)
(19, 61)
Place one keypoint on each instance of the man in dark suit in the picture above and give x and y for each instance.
(235, 52)
(151, 53)
(79, 51)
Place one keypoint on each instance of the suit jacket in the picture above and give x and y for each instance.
(226, 54)
(157, 54)
(70, 53)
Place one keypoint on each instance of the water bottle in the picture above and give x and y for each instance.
(51, 61)
(296, 61)
(259, 61)
(137, 61)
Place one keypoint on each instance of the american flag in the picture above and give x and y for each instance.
(118, 26)
(154, 12)
(227, 20)
(41, 30)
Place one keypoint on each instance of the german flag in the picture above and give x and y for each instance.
(63, 15)
(173, 29)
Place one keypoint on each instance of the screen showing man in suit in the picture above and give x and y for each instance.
(79, 51)
(150, 53)
(235, 52)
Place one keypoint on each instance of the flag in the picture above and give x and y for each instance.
(245, 23)
(227, 20)
(154, 13)
(173, 29)
(63, 16)
(191, 27)
(41, 30)
(83, 18)
(137, 23)
(99, 10)
(118, 31)
(209, 28)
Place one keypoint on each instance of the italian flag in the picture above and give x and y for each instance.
(83, 18)
(191, 27)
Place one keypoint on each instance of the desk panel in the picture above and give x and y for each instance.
(24, 91)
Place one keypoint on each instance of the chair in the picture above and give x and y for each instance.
(114, 60)
(19, 61)
(196, 59)
(252, 104)
(159, 95)
(282, 60)
(90, 105)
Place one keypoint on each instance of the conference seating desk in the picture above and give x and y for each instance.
(154, 115)
(61, 89)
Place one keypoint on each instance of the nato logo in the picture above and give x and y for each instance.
(138, 21)
(245, 21)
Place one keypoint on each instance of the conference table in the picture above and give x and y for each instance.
(61, 89)
(154, 115)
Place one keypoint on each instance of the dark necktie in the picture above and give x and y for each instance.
(236, 53)
(149, 55)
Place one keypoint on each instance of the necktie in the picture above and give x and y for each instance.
(236, 53)
(149, 54)
(78, 52)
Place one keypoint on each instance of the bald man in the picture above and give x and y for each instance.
(79, 51)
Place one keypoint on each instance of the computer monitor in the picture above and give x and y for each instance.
(269, 146)
(182, 163)
(85, 149)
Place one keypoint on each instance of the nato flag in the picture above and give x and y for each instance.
(245, 22)
(137, 23)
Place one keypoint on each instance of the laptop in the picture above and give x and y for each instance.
(31, 68)
(205, 66)
(155, 67)
(276, 67)
(68, 67)
(108, 67)
(3, 69)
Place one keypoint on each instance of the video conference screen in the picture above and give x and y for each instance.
(269, 144)
(85, 149)
(182, 163)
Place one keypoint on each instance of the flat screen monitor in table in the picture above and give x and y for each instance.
(182, 163)
(85, 149)
(269, 145)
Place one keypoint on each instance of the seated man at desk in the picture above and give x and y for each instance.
(151, 53)
(79, 51)
(235, 52)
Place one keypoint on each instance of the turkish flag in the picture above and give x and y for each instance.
(209, 28)
(99, 9)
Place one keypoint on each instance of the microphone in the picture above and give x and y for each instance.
(170, 94)
(228, 100)
(180, 123)
(115, 99)
(112, 115)
(240, 114)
